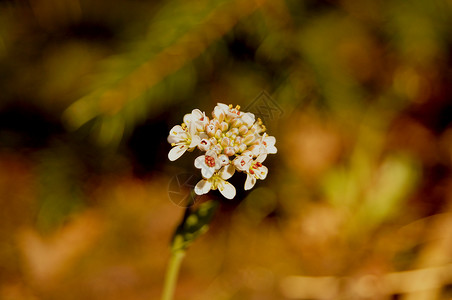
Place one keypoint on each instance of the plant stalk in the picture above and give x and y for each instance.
(172, 272)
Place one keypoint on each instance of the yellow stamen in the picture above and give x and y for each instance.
(230, 105)
(237, 107)
(173, 144)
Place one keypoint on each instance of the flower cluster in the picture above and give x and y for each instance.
(232, 141)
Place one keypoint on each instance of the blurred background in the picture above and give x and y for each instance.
(358, 200)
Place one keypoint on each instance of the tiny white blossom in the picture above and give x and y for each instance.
(197, 119)
(219, 112)
(218, 181)
(204, 144)
(182, 140)
(255, 171)
(208, 163)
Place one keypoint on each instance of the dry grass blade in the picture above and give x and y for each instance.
(111, 101)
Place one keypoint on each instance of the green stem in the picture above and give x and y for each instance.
(171, 274)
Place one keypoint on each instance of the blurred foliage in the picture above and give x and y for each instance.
(357, 203)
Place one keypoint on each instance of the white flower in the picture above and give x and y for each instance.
(266, 145)
(248, 119)
(242, 162)
(197, 119)
(218, 181)
(255, 171)
(219, 112)
(224, 160)
(182, 140)
(208, 163)
(204, 145)
(269, 143)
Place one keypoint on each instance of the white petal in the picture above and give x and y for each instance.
(195, 140)
(203, 187)
(248, 118)
(203, 135)
(222, 106)
(199, 161)
(192, 129)
(250, 182)
(197, 114)
(270, 140)
(262, 172)
(248, 153)
(261, 157)
(177, 152)
(177, 130)
(212, 153)
(177, 135)
(174, 139)
(207, 171)
(226, 189)
(227, 172)
(272, 150)
(188, 118)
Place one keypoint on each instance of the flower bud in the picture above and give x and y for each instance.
(243, 130)
(242, 147)
(224, 126)
(213, 141)
(238, 140)
(219, 112)
(217, 148)
(204, 145)
(248, 119)
(236, 149)
(229, 151)
(237, 122)
(225, 142)
(234, 131)
(215, 123)
(210, 130)
(218, 133)
(249, 139)
(224, 160)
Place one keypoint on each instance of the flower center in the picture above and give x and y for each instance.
(255, 165)
(210, 161)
